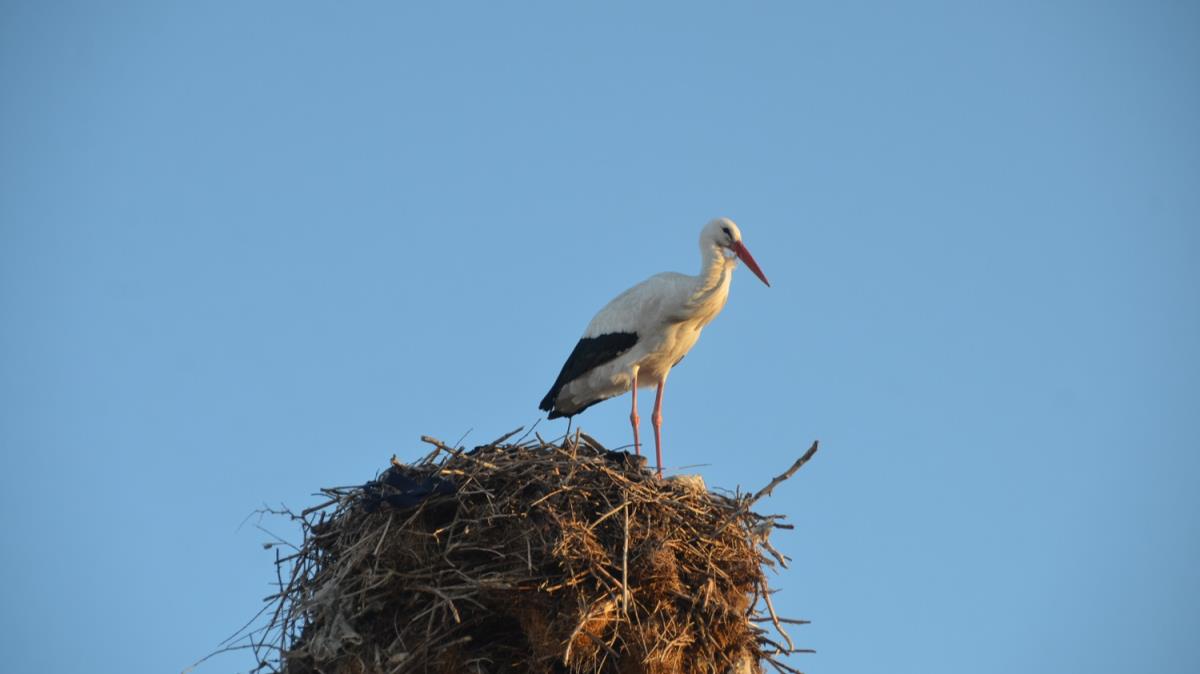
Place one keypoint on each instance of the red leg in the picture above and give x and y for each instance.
(633, 416)
(656, 419)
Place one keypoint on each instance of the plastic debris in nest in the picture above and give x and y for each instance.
(531, 557)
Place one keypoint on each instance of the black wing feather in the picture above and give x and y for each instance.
(589, 353)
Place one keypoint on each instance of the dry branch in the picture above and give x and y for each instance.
(766, 491)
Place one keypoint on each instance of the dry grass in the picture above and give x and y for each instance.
(531, 557)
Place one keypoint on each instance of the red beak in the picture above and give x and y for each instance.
(744, 255)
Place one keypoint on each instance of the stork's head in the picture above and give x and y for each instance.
(724, 234)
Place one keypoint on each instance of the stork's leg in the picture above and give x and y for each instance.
(656, 420)
(633, 415)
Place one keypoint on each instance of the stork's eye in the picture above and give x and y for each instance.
(727, 232)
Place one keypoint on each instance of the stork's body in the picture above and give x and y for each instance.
(641, 334)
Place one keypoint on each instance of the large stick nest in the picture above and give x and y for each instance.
(532, 557)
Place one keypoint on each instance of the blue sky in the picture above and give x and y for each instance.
(252, 249)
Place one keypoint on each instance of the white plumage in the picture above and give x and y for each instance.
(637, 338)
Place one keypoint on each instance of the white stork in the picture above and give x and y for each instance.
(641, 334)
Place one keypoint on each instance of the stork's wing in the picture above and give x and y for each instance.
(589, 353)
(645, 307)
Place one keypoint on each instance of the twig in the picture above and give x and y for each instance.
(766, 491)
(786, 621)
(593, 442)
(625, 565)
(382, 538)
(779, 556)
(782, 668)
(464, 437)
(227, 649)
(766, 595)
(521, 439)
(607, 515)
(506, 436)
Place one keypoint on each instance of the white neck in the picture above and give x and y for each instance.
(714, 272)
(712, 262)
